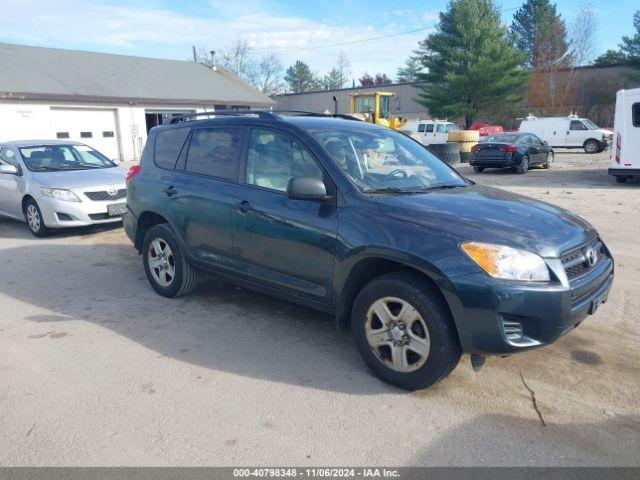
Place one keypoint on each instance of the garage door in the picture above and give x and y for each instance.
(97, 128)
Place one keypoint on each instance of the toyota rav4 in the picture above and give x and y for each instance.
(361, 221)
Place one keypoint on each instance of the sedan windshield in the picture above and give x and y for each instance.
(51, 158)
(385, 161)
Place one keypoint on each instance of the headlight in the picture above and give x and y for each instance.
(507, 263)
(60, 194)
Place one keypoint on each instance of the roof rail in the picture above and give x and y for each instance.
(229, 113)
(304, 113)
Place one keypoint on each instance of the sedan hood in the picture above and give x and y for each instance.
(81, 178)
(490, 215)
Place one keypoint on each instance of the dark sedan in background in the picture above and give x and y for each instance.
(518, 151)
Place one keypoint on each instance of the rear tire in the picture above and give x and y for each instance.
(168, 270)
(478, 169)
(35, 222)
(547, 164)
(524, 165)
(421, 347)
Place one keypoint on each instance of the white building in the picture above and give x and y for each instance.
(107, 101)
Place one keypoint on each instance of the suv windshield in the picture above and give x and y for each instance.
(385, 161)
(50, 158)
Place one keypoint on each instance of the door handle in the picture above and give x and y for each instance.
(170, 191)
(243, 206)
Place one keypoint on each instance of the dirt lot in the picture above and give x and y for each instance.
(96, 369)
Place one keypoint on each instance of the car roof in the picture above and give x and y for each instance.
(321, 123)
(34, 143)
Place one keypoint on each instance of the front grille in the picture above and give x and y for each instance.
(576, 262)
(104, 195)
(100, 216)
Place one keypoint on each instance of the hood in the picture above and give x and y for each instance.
(490, 215)
(81, 178)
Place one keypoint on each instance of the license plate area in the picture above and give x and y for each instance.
(597, 302)
(116, 209)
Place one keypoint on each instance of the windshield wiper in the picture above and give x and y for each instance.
(397, 190)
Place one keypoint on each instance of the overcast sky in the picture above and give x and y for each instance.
(293, 29)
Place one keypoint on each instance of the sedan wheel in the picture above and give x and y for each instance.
(33, 216)
(397, 334)
(524, 165)
(549, 161)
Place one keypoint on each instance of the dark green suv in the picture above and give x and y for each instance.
(363, 222)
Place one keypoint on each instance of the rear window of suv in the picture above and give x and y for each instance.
(168, 145)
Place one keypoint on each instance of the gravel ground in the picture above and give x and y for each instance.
(96, 369)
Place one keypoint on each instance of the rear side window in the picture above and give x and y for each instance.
(635, 114)
(429, 128)
(168, 146)
(215, 152)
(421, 127)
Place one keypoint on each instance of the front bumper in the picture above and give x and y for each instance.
(485, 309)
(61, 214)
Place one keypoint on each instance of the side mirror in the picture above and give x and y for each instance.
(306, 188)
(8, 169)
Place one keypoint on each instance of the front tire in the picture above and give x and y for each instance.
(404, 331)
(35, 222)
(547, 164)
(591, 146)
(168, 270)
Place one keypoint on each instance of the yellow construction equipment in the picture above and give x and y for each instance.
(375, 107)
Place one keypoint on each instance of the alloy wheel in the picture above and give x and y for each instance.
(33, 218)
(161, 262)
(550, 158)
(397, 334)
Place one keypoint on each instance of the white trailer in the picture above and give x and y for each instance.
(625, 155)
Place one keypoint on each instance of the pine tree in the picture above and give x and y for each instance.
(469, 61)
(409, 73)
(333, 80)
(630, 46)
(300, 78)
(540, 32)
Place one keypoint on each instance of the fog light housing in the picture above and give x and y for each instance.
(513, 330)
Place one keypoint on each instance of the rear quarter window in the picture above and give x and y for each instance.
(168, 146)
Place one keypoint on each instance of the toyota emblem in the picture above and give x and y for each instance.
(592, 256)
(113, 191)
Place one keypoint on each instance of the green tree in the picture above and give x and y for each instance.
(610, 57)
(300, 78)
(630, 46)
(332, 80)
(469, 63)
(540, 32)
(409, 72)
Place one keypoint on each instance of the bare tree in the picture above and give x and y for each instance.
(236, 58)
(266, 74)
(582, 35)
(343, 69)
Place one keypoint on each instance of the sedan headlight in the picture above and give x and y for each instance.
(60, 194)
(507, 263)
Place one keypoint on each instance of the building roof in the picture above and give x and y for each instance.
(37, 73)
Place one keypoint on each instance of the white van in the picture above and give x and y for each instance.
(568, 132)
(625, 156)
(429, 132)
